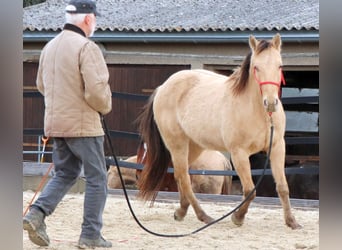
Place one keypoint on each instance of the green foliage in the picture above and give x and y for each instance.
(31, 2)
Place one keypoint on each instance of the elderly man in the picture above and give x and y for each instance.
(73, 78)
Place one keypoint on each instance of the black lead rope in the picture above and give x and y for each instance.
(203, 227)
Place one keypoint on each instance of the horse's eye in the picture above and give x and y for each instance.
(256, 68)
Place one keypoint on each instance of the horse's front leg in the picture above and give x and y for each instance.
(187, 195)
(277, 165)
(242, 166)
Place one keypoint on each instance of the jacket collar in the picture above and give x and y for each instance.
(72, 27)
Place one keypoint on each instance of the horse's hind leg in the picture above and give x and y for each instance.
(277, 165)
(242, 167)
(187, 196)
(181, 212)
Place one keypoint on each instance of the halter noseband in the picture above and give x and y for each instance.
(278, 84)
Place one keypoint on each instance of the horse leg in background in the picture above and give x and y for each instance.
(243, 169)
(187, 196)
(277, 164)
(227, 185)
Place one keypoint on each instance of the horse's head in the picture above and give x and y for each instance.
(266, 68)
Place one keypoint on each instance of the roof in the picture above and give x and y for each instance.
(184, 15)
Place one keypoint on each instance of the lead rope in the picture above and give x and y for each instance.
(40, 186)
(203, 227)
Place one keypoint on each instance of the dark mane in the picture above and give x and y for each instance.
(241, 74)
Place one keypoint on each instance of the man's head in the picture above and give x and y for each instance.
(82, 13)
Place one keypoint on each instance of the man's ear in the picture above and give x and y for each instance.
(87, 19)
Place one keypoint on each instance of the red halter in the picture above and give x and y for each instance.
(278, 84)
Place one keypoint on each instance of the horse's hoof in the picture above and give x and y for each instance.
(207, 220)
(237, 221)
(294, 225)
(177, 217)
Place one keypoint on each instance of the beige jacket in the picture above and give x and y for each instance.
(73, 77)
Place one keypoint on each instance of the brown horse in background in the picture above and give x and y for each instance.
(208, 184)
(128, 174)
(198, 109)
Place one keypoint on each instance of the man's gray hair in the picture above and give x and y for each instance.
(75, 18)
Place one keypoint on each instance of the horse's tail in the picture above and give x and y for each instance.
(157, 157)
(228, 180)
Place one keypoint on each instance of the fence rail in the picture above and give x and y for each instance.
(309, 169)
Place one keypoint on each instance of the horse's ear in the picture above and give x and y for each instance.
(277, 41)
(252, 42)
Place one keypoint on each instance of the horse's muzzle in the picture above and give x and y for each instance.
(271, 106)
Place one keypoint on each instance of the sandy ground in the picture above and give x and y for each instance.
(264, 226)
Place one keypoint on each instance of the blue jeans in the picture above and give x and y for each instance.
(69, 155)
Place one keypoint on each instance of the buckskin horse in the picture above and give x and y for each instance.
(195, 110)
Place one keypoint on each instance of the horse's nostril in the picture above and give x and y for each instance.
(276, 101)
(271, 108)
(265, 102)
